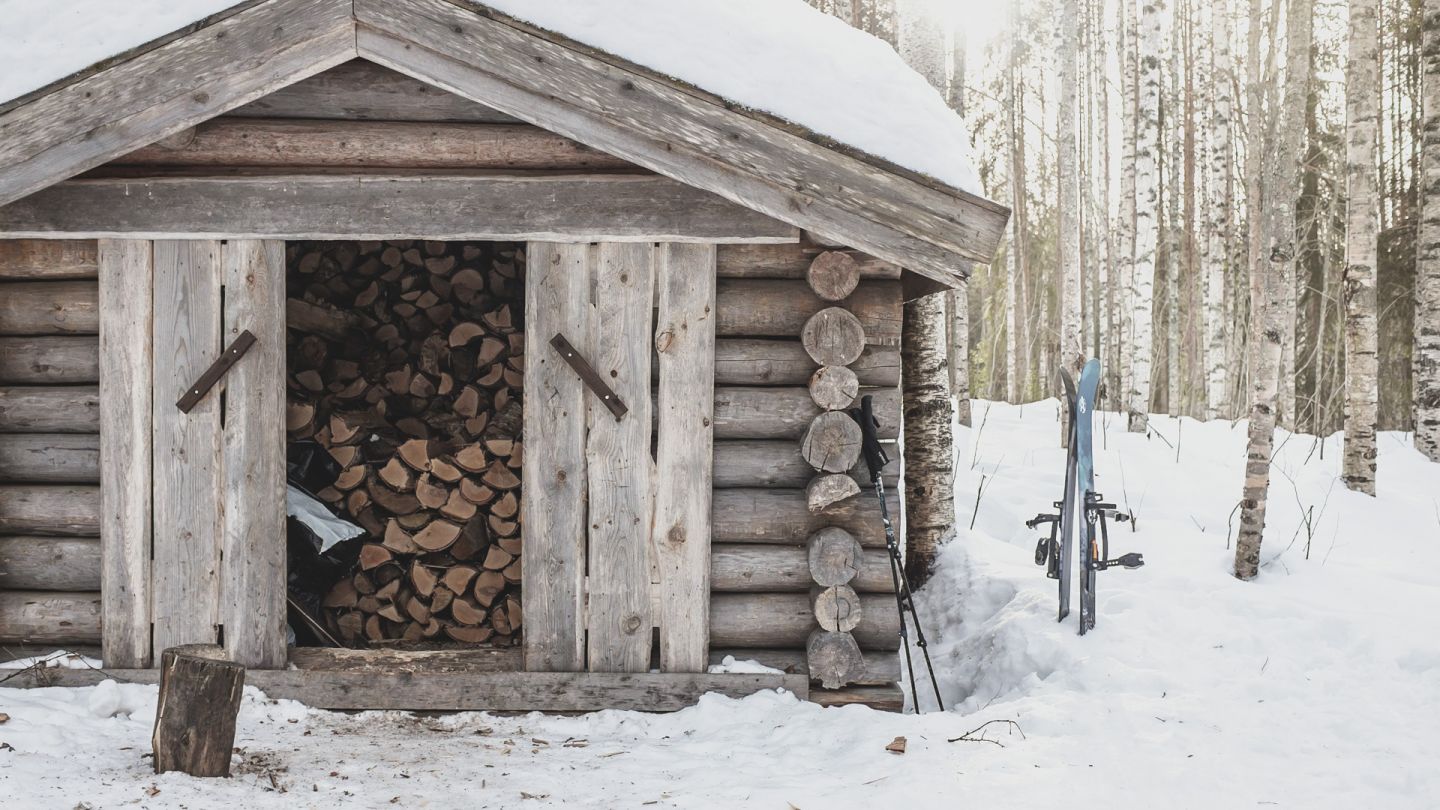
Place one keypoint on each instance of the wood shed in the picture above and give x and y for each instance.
(579, 336)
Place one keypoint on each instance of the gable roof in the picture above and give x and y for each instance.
(811, 155)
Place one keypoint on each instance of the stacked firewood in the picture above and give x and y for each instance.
(406, 362)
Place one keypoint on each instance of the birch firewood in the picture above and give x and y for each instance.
(1427, 250)
(1362, 76)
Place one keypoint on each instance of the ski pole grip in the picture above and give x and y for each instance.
(870, 447)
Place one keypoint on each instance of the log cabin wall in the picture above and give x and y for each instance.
(49, 447)
(761, 572)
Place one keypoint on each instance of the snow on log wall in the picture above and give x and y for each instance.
(49, 446)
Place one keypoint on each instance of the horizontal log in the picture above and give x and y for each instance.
(888, 698)
(50, 409)
(784, 620)
(789, 261)
(482, 691)
(49, 360)
(50, 510)
(409, 205)
(46, 617)
(50, 308)
(786, 413)
(753, 568)
(777, 463)
(254, 142)
(755, 361)
(363, 90)
(50, 259)
(50, 458)
(14, 651)
(478, 659)
(748, 307)
(30, 563)
(881, 667)
(781, 516)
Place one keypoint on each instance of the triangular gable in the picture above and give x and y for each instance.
(594, 98)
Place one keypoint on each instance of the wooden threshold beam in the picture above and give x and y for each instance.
(451, 691)
(480, 206)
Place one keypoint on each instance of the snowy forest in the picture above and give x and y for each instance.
(1223, 200)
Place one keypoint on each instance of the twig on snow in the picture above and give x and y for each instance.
(969, 736)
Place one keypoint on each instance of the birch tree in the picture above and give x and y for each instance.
(1362, 78)
(1427, 249)
(1147, 232)
(1129, 93)
(924, 367)
(1072, 349)
(1217, 254)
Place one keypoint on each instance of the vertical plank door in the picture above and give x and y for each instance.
(553, 508)
(617, 458)
(125, 389)
(253, 539)
(185, 581)
(685, 346)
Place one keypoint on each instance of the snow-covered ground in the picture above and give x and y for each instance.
(1316, 686)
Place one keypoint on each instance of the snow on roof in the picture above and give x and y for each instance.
(43, 42)
(781, 57)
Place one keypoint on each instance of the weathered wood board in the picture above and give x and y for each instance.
(253, 458)
(187, 462)
(618, 462)
(468, 691)
(364, 91)
(557, 297)
(50, 458)
(480, 206)
(126, 373)
(685, 346)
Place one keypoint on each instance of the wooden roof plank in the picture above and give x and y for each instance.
(162, 90)
(695, 139)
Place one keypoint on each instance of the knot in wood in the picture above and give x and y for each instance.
(676, 535)
(632, 623)
(664, 340)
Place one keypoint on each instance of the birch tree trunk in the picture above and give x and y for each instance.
(1072, 349)
(1217, 254)
(1021, 324)
(1147, 149)
(1174, 188)
(1276, 273)
(1362, 78)
(957, 305)
(924, 369)
(957, 302)
(1129, 92)
(1427, 250)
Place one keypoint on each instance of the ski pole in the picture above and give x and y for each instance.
(875, 461)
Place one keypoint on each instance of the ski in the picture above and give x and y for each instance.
(1054, 552)
(1094, 542)
(1089, 538)
(1083, 450)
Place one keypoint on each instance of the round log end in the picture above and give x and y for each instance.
(833, 337)
(833, 275)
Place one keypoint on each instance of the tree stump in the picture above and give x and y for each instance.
(833, 337)
(834, 388)
(837, 608)
(195, 719)
(825, 490)
(832, 443)
(834, 659)
(833, 275)
(834, 555)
